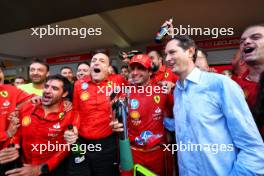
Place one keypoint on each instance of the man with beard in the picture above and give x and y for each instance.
(92, 101)
(145, 128)
(160, 73)
(38, 72)
(42, 129)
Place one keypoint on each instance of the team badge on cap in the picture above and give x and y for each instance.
(26, 121)
(157, 99)
(134, 103)
(85, 86)
(4, 93)
(84, 96)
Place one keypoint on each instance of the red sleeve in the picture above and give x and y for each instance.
(76, 102)
(56, 159)
(3, 136)
(169, 105)
(171, 76)
(22, 96)
(15, 139)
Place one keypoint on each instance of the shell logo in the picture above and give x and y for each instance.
(134, 115)
(26, 121)
(85, 96)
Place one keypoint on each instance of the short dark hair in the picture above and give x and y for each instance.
(86, 63)
(202, 51)
(158, 53)
(186, 42)
(124, 66)
(255, 25)
(104, 53)
(65, 67)
(65, 81)
(20, 77)
(40, 62)
(115, 69)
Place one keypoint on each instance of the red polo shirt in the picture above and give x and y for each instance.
(250, 89)
(93, 104)
(164, 74)
(39, 131)
(10, 97)
(146, 113)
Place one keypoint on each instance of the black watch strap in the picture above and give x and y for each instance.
(44, 168)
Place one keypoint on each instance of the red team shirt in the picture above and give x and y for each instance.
(146, 115)
(250, 89)
(36, 129)
(164, 74)
(10, 97)
(93, 104)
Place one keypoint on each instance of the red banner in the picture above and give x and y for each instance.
(69, 58)
(218, 43)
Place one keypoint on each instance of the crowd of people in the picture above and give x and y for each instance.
(188, 105)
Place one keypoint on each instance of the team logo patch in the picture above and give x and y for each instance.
(134, 115)
(26, 121)
(84, 96)
(157, 99)
(145, 135)
(109, 83)
(4, 93)
(158, 110)
(61, 115)
(139, 141)
(85, 86)
(6, 103)
(166, 75)
(134, 103)
(57, 125)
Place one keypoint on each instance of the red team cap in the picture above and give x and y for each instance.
(141, 59)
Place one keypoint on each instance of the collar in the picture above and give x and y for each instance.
(194, 77)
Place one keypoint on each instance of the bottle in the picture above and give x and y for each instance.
(163, 32)
(13, 164)
(76, 150)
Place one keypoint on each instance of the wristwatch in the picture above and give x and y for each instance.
(44, 169)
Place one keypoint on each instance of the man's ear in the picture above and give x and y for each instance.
(191, 52)
(64, 94)
(48, 73)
